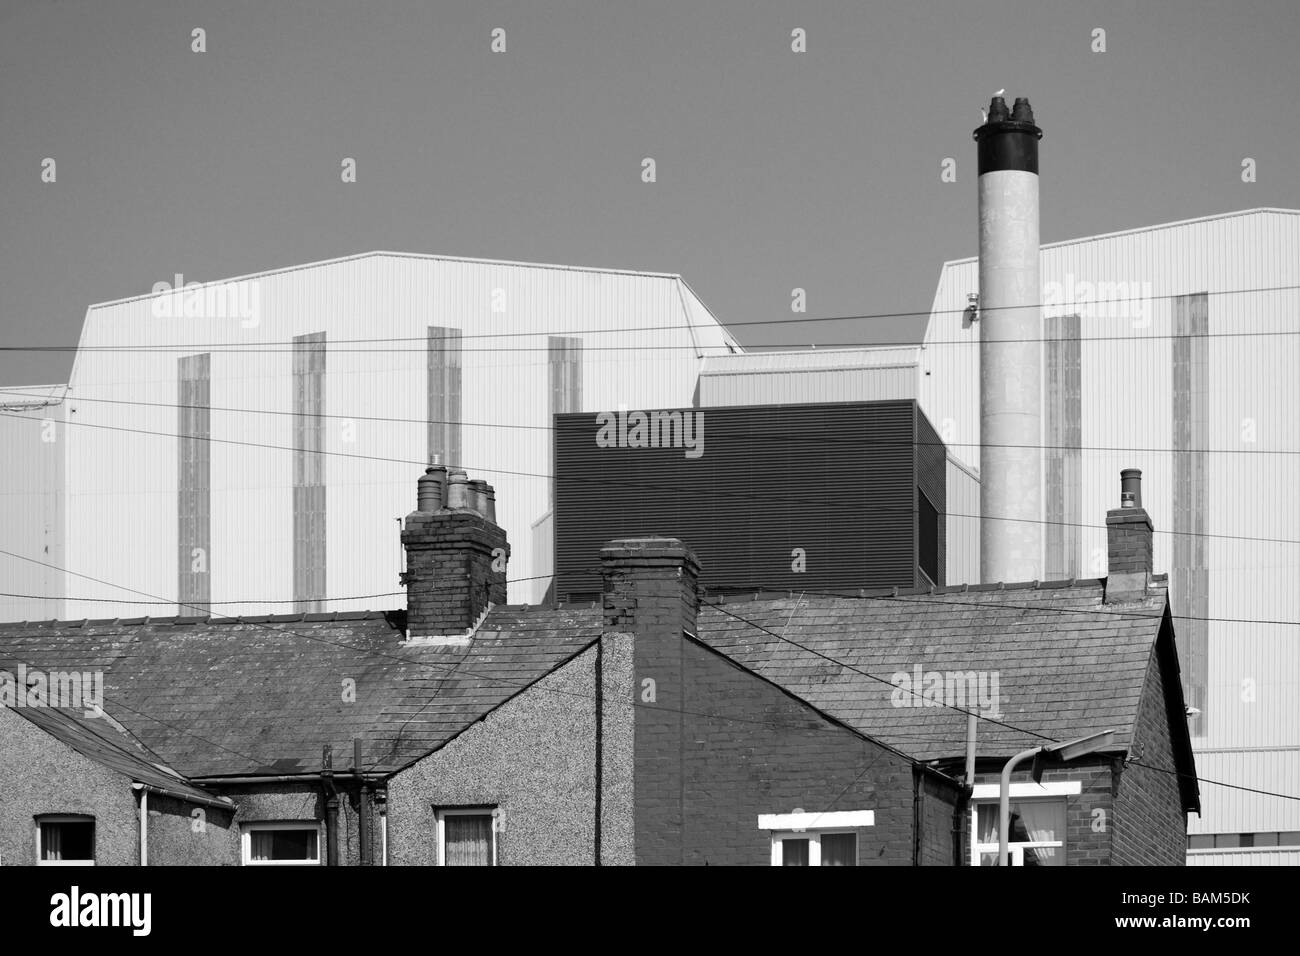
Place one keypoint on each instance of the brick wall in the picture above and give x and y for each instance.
(719, 745)
(1128, 537)
(1089, 814)
(449, 570)
(1150, 825)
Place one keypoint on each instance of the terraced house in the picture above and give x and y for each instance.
(658, 725)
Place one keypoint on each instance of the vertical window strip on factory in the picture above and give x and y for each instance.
(444, 388)
(194, 491)
(1064, 466)
(1190, 578)
(308, 471)
(564, 380)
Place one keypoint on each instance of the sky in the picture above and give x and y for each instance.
(774, 169)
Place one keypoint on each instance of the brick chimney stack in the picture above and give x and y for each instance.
(650, 586)
(1128, 537)
(456, 557)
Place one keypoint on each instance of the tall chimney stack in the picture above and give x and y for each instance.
(1011, 352)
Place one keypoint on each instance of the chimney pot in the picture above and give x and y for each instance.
(432, 488)
(478, 496)
(458, 490)
(1130, 483)
(1022, 112)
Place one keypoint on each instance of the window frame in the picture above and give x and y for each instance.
(246, 841)
(814, 838)
(812, 827)
(43, 818)
(988, 794)
(483, 810)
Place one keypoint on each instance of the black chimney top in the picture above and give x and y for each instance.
(1008, 140)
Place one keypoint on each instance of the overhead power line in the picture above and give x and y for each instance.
(839, 507)
(287, 344)
(827, 439)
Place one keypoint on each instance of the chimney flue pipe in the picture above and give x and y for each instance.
(431, 489)
(1010, 329)
(1130, 488)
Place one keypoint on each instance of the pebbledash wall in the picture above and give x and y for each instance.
(252, 439)
(1172, 349)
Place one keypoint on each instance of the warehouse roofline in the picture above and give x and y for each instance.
(1139, 229)
(399, 255)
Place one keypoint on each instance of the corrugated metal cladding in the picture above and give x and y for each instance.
(829, 488)
(838, 375)
(1162, 390)
(1278, 856)
(368, 434)
(1234, 810)
(33, 437)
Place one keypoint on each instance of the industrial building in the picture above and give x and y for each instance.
(247, 441)
(816, 497)
(1170, 348)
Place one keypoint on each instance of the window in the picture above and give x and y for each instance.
(1036, 836)
(816, 839)
(467, 837)
(65, 840)
(282, 844)
(818, 848)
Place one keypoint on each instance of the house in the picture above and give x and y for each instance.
(657, 726)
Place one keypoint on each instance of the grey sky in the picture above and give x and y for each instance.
(775, 169)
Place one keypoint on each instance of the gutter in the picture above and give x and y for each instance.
(222, 803)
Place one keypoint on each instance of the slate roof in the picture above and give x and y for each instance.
(101, 740)
(1067, 663)
(261, 696)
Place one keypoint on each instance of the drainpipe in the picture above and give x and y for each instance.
(144, 823)
(331, 807)
(916, 815)
(364, 808)
(962, 807)
(381, 796)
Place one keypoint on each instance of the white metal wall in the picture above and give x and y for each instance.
(962, 565)
(637, 351)
(1252, 463)
(31, 503)
(812, 375)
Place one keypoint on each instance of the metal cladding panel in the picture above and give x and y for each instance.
(834, 375)
(375, 312)
(1233, 810)
(962, 537)
(1278, 856)
(1249, 265)
(32, 435)
(834, 480)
